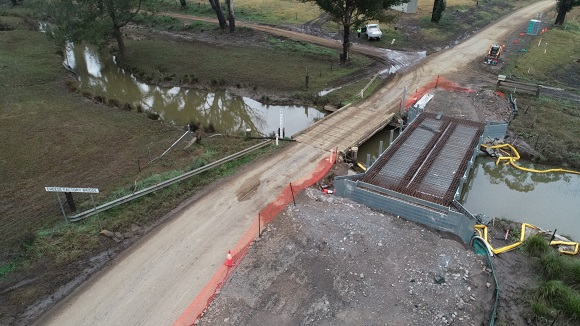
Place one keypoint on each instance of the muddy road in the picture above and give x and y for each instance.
(154, 281)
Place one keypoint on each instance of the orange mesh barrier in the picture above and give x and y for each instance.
(266, 215)
(438, 82)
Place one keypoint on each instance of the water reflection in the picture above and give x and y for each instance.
(223, 111)
(548, 200)
(519, 180)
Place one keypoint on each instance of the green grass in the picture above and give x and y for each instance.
(258, 11)
(558, 292)
(551, 266)
(303, 48)
(283, 69)
(535, 246)
(54, 137)
(7, 269)
(64, 242)
(553, 62)
(536, 123)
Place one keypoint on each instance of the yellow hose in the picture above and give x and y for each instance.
(482, 231)
(512, 158)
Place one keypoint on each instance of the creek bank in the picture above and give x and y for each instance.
(251, 39)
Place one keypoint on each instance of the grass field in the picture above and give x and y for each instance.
(550, 126)
(283, 69)
(552, 58)
(288, 12)
(53, 137)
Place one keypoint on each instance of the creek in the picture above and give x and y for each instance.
(226, 113)
(546, 200)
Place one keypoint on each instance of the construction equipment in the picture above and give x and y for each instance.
(492, 57)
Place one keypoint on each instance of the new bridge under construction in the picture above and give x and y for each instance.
(421, 174)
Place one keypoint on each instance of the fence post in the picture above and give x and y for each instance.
(292, 191)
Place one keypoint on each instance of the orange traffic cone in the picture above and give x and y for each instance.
(229, 261)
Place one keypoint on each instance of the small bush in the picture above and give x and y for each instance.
(535, 246)
(551, 266)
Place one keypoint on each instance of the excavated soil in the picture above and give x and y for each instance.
(331, 261)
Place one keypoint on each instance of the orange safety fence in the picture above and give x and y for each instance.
(266, 215)
(437, 82)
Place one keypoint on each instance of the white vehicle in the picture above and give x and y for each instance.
(373, 31)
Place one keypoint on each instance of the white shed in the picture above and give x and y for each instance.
(409, 7)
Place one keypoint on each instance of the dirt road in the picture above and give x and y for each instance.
(154, 281)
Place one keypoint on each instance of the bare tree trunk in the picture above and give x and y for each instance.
(120, 43)
(344, 58)
(438, 8)
(231, 16)
(563, 7)
(346, 25)
(215, 4)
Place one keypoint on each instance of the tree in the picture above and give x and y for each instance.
(563, 7)
(438, 8)
(231, 17)
(215, 4)
(351, 13)
(183, 4)
(93, 21)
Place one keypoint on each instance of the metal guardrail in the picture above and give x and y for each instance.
(161, 185)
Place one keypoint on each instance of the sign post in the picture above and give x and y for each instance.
(70, 190)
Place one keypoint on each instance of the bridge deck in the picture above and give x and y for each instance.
(428, 160)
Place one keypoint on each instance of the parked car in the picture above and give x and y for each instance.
(373, 31)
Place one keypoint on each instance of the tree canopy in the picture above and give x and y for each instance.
(351, 13)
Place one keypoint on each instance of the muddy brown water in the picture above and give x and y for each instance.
(547, 200)
(227, 113)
